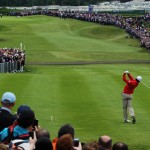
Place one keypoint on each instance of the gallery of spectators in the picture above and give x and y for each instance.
(13, 59)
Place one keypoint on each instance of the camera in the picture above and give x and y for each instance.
(35, 123)
(31, 134)
(76, 142)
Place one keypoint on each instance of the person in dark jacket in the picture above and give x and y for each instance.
(6, 116)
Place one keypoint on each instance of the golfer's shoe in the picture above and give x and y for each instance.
(133, 120)
(127, 121)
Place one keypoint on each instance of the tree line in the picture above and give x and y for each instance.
(29, 3)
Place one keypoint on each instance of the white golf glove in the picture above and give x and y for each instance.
(127, 72)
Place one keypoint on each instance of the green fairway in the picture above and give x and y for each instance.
(50, 39)
(86, 96)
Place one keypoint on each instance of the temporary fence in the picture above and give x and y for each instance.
(11, 67)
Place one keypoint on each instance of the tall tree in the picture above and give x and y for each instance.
(51, 2)
(3, 2)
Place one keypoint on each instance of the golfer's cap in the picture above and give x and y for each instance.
(139, 78)
(8, 97)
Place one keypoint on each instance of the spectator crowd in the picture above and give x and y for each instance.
(136, 26)
(19, 132)
(13, 55)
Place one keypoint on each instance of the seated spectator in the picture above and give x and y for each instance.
(43, 143)
(21, 129)
(120, 146)
(65, 129)
(105, 142)
(65, 142)
(91, 146)
(6, 116)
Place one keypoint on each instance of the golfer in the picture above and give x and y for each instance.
(128, 90)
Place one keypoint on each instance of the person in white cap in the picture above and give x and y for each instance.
(128, 90)
(6, 116)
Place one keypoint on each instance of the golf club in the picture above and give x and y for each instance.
(145, 84)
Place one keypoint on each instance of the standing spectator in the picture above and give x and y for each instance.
(6, 116)
(42, 133)
(65, 142)
(41, 140)
(43, 143)
(22, 108)
(21, 129)
(105, 142)
(91, 146)
(65, 129)
(19, 144)
(128, 90)
(120, 146)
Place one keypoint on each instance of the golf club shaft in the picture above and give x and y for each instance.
(145, 84)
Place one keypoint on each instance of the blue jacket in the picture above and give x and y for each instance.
(18, 131)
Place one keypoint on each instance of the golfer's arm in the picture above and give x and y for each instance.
(124, 78)
(130, 76)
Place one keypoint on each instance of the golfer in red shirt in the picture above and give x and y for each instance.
(128, 90)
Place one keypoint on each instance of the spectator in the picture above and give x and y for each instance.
(65, 142)
(21, 129)
(21, 108)
(105, 142)
(14, 57)
(19, 144)
(43, 143)
(120, 146)
(42, 133)
(65, 129)
(37, 141)
(6, 116)
(91, 146)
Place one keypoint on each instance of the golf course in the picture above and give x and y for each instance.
(73, 74)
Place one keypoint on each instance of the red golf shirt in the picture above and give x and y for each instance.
(130, 84)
